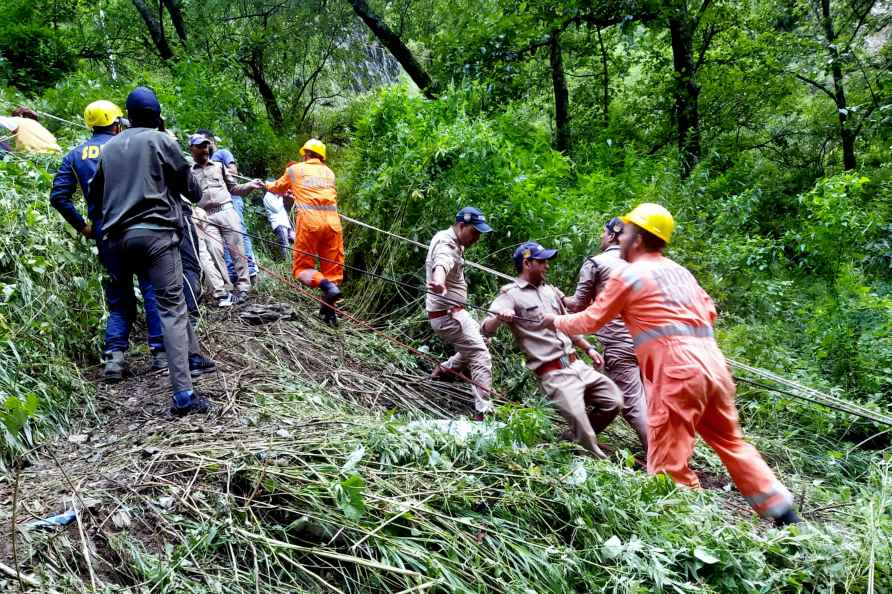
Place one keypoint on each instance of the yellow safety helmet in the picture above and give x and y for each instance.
(314, 145)
(652, 217)
(102, 113)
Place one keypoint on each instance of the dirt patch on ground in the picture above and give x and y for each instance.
(101, 467)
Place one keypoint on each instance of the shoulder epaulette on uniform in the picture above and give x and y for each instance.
(507, 287)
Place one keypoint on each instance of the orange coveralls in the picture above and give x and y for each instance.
(689, 387)
(316, 220)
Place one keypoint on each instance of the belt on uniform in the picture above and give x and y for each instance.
(559, 363)
(673, 330)
(433, 315)
(327, 207)
(214, 209)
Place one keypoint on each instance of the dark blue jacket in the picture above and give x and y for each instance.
(78, 168)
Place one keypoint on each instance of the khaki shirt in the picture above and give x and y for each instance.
(215, 182)
(540, 345)
(446, 252)
(593, 277)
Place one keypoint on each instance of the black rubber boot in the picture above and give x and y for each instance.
(331, 294)
(787, 518)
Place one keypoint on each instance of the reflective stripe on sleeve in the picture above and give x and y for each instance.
(632, 279)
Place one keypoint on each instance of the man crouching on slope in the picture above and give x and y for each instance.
(570, 383)
(447, 295)
(689, 387)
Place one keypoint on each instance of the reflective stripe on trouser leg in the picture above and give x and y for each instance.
(461, 331)
(310, 277)
(773, 503)
(720, 429)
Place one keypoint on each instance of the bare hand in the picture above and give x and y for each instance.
(435, 287)
(505, 315)
(597, 359)
(87, 231)
(257, 184)
(548, 321)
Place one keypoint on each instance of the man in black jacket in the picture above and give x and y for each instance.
(141, 175)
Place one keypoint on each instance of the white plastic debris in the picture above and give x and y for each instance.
(461, 429)
(578, 475)
(354, 458)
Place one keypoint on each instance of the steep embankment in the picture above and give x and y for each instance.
(324, 468)
(326, 465)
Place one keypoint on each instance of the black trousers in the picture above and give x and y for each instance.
(157, 255)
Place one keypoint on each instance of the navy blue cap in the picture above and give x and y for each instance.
(534, 251)
(197, 139)
(142, 99)
(473, 216)
(614, 225)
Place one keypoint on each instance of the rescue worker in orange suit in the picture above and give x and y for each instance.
(317, 225)
(620, 363)
(689, 387)
(586, 399)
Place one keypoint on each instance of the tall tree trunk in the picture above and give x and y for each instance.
(254, 65)
(687, 93)
(847, 135)
(561, 94)
(176, 16)
(395, 45)
(605, 81)
(154, 28)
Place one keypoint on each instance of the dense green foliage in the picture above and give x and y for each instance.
(765, 132)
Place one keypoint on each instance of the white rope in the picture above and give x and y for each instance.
(407, 240)
(811, 395)
(797, 390)
(49, 115)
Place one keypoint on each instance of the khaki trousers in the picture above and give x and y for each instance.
(622, 368)
(226, 229)
(215, 274)
(586, 399)
(462, 331)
